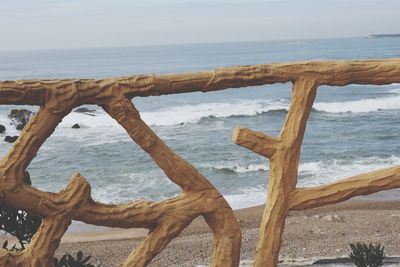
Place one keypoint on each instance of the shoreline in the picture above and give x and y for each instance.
(79, 230)
(82, 232)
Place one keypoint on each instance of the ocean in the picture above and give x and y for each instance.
(351, 129)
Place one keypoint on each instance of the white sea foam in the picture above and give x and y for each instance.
(176, 115)
(183, 114)
(320, 172)
(241, 168)
(194, 113)
(98, 119)
(249, 197)
(360, 106)
(395, 90)
(364, 105)
(311, 174)
(334, 167)
(10, 129)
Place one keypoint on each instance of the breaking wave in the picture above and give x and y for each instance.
(329, 169)
(197, 113)
(360, 106)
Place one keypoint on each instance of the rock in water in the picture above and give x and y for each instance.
(20, 126)
(11, 139)
(2, 129)
(76, 126)
(20, 117)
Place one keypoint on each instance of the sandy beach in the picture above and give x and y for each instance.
(324, 232)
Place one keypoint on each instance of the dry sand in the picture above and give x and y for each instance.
(316, 233)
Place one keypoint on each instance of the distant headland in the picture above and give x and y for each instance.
(393, 35)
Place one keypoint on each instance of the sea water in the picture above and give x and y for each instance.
(351, 129)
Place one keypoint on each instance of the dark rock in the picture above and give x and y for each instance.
(11, 139)
(76, 126)
(20, 126)
(2, 129)
(20, 117)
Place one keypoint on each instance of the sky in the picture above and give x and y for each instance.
(54, 24)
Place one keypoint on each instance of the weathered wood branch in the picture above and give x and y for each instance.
(362, 184)
(189, 179)
(166, 219)
(283, 173)
(292, 133)
(257, 142)
(156, 241)
(201, 198)
(177, 169)
(75, 203)
(58, 93)
(47, 239)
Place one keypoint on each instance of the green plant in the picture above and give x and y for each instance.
(19, 224)
(367, 256)
(23, 226)
(69, 261)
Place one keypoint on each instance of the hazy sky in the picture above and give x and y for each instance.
(39, 24)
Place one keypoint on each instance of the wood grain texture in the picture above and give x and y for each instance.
(59, 94)
(167, 219)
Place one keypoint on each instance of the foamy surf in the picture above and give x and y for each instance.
(184, 114)
(181, 114)
(195, 113)
(315, 173)
(360, 106)
(328, 166)
(241, 168)
(310, 174)
(192, 114)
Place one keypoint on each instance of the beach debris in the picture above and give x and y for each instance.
(2, 129)
(76, 126)
(20, 117)
(11, 139)
(333, 218)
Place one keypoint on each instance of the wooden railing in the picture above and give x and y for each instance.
(166, 219)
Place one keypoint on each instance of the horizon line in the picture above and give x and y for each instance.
(178, 44)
